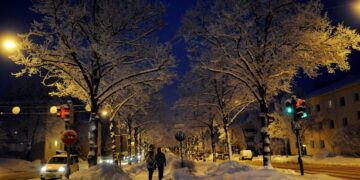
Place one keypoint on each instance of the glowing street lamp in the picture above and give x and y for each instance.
(104, 113)
(53, 110)
(87, 108)
(15, 110)
(355, 6)
(9, 44)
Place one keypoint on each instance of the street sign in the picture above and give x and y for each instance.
(69, 137)
(180, 136)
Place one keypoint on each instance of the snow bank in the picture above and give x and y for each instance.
(135, 169)
(101, 172)
(233, 170)
(227, 167)
(17, 165)
(322, 159)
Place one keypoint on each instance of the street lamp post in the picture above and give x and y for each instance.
(180, 136)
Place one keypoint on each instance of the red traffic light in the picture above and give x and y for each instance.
(300, 102)
(63, 112)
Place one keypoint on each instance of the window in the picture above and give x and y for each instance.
(318, 108)
(358, 114)
(356, 97)
(345, 121)
(320, 126)
(322, 144)
(342, 101)
(312, 144)
(331, 124)
(330, 104)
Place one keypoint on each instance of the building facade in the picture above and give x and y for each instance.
(334, 110)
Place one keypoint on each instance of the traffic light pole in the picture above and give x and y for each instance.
(296, 128)
(299, 152)
(68, 127)
(181, 155)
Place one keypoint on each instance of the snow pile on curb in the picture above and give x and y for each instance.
(16, 165)
(227, 167)
(319, 159)
(233, 170)
(135, 169)
(101, 172)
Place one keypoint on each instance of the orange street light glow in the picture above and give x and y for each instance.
(9, 44)
(356, 8)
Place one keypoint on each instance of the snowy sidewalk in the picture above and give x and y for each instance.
(144, 175)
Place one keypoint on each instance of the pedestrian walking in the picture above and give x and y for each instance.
(160, 162)
(151, 163)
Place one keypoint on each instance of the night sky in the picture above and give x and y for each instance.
(16, 17)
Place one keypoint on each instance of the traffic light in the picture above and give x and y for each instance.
(63, 112)
(289, 107)
(300, 109)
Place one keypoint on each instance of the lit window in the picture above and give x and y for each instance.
(330, 104)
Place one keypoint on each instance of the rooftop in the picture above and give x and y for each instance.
(335, 86)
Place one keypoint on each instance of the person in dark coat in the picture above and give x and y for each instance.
(150, 163)
(160, 162)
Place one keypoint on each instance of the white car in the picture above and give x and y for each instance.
(55, 168)
(246, 154)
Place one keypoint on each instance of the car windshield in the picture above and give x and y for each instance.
(57, 160)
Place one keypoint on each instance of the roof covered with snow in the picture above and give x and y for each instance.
(335, 86)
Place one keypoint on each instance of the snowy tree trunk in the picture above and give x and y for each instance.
(228, 143)
(129, 139)
(203, 144)
(93, 133)
(265, 135)
(141, 146)
(136, 143)
(113, 141)
(213, 145)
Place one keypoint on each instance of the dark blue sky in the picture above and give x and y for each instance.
(15, 16)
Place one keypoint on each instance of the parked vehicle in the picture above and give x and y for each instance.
(246, 155)
(223, 156)
(55, 168)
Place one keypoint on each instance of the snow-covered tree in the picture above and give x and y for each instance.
(263, 44)
(215, 91)
(90, 49)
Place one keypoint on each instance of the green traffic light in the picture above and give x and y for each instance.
(305, 115)
(289, 110)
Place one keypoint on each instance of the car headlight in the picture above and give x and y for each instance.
(61, 169)
(43, 169)
(100, 161)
